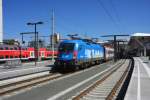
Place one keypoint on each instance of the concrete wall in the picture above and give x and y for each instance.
(1, 22)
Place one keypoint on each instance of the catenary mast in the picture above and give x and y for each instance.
(1, 22)
(53, 34)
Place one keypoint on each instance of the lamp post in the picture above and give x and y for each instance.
(36, 47)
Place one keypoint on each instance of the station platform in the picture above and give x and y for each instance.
(139, 86)
(24, 69)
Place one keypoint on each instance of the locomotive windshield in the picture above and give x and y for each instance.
(66, 47)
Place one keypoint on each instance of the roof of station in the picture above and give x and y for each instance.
(141, 34)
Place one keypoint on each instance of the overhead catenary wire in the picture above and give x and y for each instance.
(68, 26)
(120, 24)
(115, 11)
(109, 15)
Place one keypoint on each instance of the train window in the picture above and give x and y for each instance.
(16, 57)
(15, 48)
(1, 48)
(6, 48)
(7, 56)
(80, 47)
(1, 57)
(11, 48)
(11, 56)
(66, 47)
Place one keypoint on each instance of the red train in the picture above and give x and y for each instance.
(8, 52)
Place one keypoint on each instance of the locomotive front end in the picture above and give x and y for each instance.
(66, 57)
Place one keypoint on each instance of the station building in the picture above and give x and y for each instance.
(139, 44)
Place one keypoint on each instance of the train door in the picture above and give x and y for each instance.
(31, 54)
(42, 54)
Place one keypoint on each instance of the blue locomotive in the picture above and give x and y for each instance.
(78, 54)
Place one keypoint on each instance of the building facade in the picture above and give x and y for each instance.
(140, 44)
(1, 22)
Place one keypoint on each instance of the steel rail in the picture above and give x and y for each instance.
(16, 86)
(119, 83)
(105, 76)
(28, 83)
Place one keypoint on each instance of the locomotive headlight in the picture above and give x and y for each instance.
(75, 54)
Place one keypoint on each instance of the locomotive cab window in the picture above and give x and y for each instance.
(80, 47)
(66, 47)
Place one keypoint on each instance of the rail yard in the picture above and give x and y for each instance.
(74, 50)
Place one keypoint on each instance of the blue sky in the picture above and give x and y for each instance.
(85, 17)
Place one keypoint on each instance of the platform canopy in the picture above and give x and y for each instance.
(140, 44)
(141, 34)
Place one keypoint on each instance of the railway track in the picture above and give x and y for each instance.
(16, 86)
(11, 88)
(28, 83)
(108, 86)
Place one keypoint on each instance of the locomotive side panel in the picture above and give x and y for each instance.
(78, 54)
